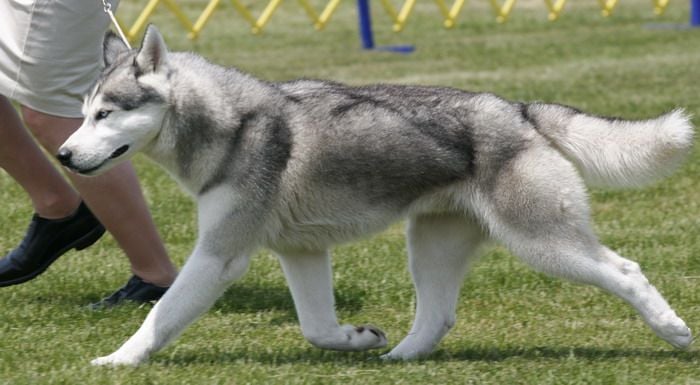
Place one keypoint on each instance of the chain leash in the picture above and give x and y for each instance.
(107, 7)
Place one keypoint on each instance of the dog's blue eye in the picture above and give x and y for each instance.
(101, 114)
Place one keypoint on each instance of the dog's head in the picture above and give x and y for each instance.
(126, 108)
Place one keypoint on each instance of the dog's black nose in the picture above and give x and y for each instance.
(64, 156)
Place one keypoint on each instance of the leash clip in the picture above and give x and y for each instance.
(107, 7)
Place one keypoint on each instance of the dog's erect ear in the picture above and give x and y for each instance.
(152, 56)
(112, 47)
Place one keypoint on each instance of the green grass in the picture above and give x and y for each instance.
(514, 325)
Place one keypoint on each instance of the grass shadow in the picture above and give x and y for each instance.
(371, 359)
(65, 299)
(589, 354)
(239, 298)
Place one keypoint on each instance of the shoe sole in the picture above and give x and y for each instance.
(79, 244)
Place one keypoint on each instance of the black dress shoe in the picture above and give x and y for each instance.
(135, 290)
(45, 241)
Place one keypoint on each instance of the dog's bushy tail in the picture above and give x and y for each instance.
(611, 152)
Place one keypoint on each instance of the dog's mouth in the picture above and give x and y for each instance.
(119, 152)
(91, 171)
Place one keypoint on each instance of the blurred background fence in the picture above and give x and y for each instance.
(259, 15)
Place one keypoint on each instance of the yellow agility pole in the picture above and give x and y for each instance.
(259, 23)
(327, 13)
(266, 15)
(320, 21)
(203, 19)
(389, 8)
(177, 11)
(148, 10)
(554, 8)
(243, 10)
(401, 16)
(607, 7)
(142, 19)
(502, 11)
(659, 6)
(450, 14)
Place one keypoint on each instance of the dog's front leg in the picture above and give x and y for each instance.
(219, 258)
(202, 280)
(310, 281)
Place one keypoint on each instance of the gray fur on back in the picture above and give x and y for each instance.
(422, 137)
(306, 145)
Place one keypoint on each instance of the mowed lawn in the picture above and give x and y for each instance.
(514, 326)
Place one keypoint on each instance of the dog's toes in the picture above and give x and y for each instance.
(377, 333)
(101, 361)
(114, 360)
(674, 331)
(389, 357)
(365, 337)
(680, 337)
(398, 355)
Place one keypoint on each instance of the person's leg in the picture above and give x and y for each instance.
(51, 195)
(60, 223)
(116, 199)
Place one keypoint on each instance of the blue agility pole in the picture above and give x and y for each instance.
(367, 36)
(365, 19)
(695, 13)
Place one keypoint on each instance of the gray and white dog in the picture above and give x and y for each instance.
(300, 166)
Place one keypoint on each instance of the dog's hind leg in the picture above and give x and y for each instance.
(547, 225)
(597, 265)
(440, 249)
(309, 278)
(625, 278)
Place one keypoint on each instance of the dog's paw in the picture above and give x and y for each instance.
(389, 357)
(674, 331)
(365, 337)
(410, 348)
(401, 355)
(116, 359)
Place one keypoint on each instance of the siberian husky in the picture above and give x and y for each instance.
(300, 166)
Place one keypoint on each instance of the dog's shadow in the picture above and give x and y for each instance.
(251, 298)
(239, 298)
(471, 354)
(589, 354)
